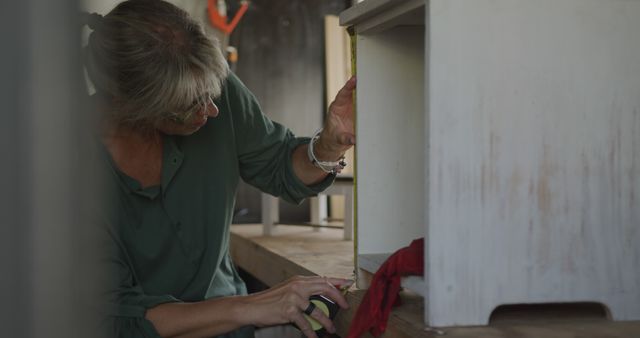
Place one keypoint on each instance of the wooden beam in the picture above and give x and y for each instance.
(291, 251)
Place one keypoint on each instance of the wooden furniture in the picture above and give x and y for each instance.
(507, 133)
(342, 186)
(297, 250)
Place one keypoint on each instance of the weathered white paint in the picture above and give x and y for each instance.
(390, 149)
(531, 156)
(535, 156)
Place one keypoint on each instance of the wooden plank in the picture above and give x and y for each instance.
(364, 9)
(266, 265)
(410, 13)
(378, 12)
(290, 251)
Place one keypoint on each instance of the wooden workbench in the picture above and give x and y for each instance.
(297, 250)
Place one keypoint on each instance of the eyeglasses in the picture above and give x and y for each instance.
(195, 107)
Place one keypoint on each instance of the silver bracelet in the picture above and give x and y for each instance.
(326, 166)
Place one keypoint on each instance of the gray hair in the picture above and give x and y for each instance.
(152, 62)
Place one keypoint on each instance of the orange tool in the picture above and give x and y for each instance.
(218, 15)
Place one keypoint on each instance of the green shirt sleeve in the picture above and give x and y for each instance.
(125, 303)
(264, 148)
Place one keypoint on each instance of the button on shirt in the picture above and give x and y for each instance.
(170, 243)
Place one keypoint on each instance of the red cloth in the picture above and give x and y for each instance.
(382, 295)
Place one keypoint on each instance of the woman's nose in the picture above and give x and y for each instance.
(211, 109)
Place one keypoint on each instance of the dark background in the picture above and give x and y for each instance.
(281, 59)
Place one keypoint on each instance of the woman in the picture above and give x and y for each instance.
(179, 131)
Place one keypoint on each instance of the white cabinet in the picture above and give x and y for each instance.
(507, 133)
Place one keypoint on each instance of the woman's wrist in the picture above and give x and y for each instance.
(330, 167)
(251, 310)
(325, 151)
(243, 312)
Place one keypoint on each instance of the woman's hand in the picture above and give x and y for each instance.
(286, 302)
(338, 134)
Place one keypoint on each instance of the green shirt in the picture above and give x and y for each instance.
(170, 243)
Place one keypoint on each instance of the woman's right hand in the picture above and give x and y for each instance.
(286, 302)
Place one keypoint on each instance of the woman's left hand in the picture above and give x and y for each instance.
(288, 301)
(338, 134)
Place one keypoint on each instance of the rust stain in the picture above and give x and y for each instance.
(570, 263)
(585, 195)
(493, 139)
(489, 183)
(515, 181)
(440, 180)
(615, 153)
(543, 188)
(633, 171)
(544, 199)
(483, 183)
(532, 189)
